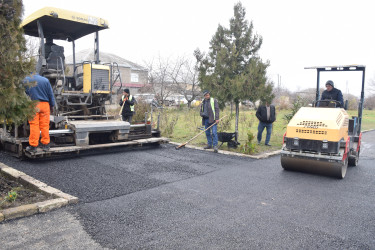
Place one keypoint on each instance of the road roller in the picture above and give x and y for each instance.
(323, 139)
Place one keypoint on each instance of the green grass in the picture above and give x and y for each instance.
(368, 118)
(188, 121)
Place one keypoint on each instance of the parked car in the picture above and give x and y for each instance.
(148, 98)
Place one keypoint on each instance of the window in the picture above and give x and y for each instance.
(134, 77)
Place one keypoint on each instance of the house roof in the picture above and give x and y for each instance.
(130, 85)
(88, 55)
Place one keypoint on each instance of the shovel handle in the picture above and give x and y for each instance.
(183, 145)
(180, 146)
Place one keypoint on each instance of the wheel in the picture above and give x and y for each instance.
(353, 160)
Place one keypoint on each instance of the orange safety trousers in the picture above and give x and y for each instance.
(40, 125)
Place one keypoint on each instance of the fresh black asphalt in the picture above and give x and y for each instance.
(190, 199)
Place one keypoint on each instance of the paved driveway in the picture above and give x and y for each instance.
(164, 198)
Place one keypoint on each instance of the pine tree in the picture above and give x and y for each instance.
(232, 70)
(15, 106)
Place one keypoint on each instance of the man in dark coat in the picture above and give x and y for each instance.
(266, 115)
(127, 103)
(331, 93)
(210, 114)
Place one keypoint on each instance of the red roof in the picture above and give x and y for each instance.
(130, 85)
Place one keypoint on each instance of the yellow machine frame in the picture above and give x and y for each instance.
(87, 70)
(51, 15)
(319, 124)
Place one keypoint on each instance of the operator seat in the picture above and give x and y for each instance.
(55, 58)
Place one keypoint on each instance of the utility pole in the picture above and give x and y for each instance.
(278, 83)
(347, 88)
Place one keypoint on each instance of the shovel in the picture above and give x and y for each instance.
(122, 107)
(183, 145)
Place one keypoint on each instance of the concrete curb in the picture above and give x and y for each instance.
(60, 198)
(368, 130)
(224, 152)
(261, 156)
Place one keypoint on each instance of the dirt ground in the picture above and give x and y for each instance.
(25, 195)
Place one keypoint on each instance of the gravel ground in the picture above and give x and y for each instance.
(167, 198)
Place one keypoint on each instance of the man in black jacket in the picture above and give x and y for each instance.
(127, 103)
(266, 115)
(331, 93)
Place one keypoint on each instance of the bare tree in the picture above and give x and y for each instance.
(307, 96)
(371, 85)
(282, 97)
(184, 75)
(159, 78)
(369, 102)
(352, 101)
(32, 45)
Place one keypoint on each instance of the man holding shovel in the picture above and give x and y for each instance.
(127, 106)
(210, 114)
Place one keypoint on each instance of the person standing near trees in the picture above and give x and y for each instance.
(39, 125)
(266, 115)
(210, 114)
(127, 103)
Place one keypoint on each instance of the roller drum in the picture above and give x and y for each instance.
(315, 165)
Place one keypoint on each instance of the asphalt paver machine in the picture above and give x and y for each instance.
(79, 120)
(323, 139)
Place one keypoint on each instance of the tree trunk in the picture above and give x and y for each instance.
(231, 108)
(237, 118)
(189, 104)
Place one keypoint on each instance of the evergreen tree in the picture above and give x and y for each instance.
(232, 70)
(15, 106)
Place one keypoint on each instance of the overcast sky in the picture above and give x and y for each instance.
(296, 34)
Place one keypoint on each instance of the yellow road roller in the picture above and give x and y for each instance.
(324, 139)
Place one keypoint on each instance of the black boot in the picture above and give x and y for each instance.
(45, 147)
(31, 149)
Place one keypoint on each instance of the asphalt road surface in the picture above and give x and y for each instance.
(190, 199)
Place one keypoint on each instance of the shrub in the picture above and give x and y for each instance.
(249, 146)
(296, 106)
(168, 123)
(225, 124)
(140, 109)
(11, 197)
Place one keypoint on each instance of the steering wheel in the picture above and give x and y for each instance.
(329, 103)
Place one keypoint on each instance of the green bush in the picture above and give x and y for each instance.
(249, 146)
(296, 106)
(225, 124)
(11, 197)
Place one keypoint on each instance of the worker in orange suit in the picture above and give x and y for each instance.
(41, 92)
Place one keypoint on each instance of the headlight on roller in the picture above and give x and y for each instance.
(295, 142)
(325, 144)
